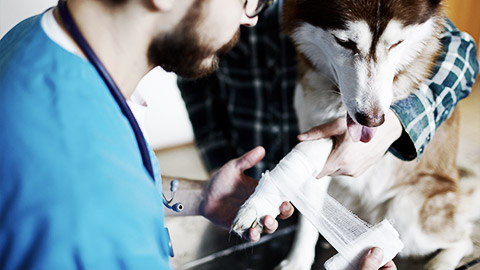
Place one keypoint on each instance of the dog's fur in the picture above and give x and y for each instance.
(356, 57)
(377, 52)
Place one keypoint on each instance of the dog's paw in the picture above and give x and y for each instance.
(247, 217)
(295, 264)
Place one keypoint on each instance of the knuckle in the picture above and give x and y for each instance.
(356, 174)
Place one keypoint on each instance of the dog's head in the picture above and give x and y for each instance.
(364, 46)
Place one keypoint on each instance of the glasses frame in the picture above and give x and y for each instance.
(262, 5)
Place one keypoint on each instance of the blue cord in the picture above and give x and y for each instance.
(72, 28)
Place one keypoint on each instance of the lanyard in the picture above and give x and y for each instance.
(117, 95)
(112, 86)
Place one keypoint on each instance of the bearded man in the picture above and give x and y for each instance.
(74, 190)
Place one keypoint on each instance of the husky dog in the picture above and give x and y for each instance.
(356, 57)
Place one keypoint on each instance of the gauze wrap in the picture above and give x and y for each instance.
(294, 178)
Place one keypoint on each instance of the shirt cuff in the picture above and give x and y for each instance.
(412, 144)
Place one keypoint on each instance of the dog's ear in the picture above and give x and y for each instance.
(435, 3)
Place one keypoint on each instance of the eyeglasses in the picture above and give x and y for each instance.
(262, 5)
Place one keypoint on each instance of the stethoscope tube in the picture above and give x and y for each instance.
(72, 28)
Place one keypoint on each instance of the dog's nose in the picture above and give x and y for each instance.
(369, 120)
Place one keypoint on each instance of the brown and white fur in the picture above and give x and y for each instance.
(356, 57)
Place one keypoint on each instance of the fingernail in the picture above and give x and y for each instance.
(376, 253)
(286, 207)
(268, 222)
(302, 137)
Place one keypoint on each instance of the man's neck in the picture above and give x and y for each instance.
(119, 44)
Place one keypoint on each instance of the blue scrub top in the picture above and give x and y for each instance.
(74, 193)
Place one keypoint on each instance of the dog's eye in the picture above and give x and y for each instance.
(395, 45)
(347, 44)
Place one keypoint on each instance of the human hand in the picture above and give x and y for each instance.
(354, 158)
(229, 188)
(373, 260)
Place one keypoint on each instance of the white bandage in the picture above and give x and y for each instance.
(294, 177)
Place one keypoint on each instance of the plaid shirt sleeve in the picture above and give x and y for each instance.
(434, 101)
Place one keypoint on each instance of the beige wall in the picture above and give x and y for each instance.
(13, 11)
(466, 16)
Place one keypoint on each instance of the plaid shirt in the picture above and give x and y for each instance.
(434, 101)
(248, 101)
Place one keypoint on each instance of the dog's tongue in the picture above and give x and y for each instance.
(359, 132)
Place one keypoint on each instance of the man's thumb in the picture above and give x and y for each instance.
(372, 260)
(250, 159)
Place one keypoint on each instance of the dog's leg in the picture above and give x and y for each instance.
(469, 195)
(448, 259)
(302, 254)
(267, 198)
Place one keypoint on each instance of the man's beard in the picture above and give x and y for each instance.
(181, 50)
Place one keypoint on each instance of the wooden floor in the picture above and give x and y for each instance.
(194, 238)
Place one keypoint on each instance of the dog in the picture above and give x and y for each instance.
(355, 58)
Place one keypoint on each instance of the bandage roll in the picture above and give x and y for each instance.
(295, 178)
(381, 235)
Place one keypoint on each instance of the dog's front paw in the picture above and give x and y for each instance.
(247, 217)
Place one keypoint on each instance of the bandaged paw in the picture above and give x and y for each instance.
(265, 201)
(293, 179)
(293, 170)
